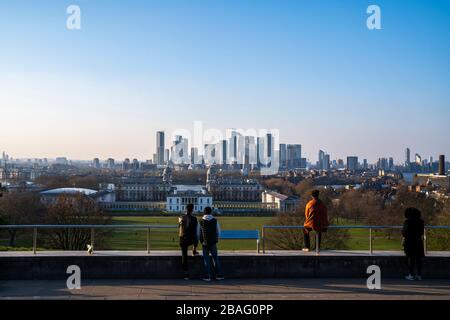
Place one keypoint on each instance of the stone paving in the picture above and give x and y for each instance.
(234, 289)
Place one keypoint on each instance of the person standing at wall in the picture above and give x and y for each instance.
(413, 231)
(188, 225)
(209, 234)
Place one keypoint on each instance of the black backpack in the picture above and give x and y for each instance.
(208, 234)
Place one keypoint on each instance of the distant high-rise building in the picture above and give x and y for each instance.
(194, 155)
(283, 156)
(223, 151)
(269, 145)
(96, 163)
(166, 155)
(365, 164)
(391, 163)
(407, 156)
(265, 149)
(135, 164)
(260, 151)
(249, 151)
(352, 163)
(334, 164)
(418, 159)
(323, 162)
(383, 164)
(210, 156)
(441, 164)
(160, 138)
(246, 159)
(110, 163)
(62, 160)
(303, 163)
(235, 148)
(180, 150)
(320, 159)
(293, 156)
(326, 162)
(126, 164)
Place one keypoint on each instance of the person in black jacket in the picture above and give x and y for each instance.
(188, 236)
(209, 234)
(413, 231)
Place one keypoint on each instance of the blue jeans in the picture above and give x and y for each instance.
(211, 249)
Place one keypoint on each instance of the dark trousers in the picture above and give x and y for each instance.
(415, 263)
(307, 240)
(207, 250)
(184, 245)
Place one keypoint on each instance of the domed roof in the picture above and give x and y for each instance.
(69, 191)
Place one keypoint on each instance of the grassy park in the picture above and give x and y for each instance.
(126, 239)
(167, 239)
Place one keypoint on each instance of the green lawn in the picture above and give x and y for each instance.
(124, 239)
(358, 239)
(167, 239)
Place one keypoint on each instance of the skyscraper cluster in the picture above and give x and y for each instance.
(246, 151)
(323, 162)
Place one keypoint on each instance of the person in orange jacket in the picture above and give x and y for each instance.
(316, 219)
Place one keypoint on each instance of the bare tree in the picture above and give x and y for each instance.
(292, 238)
(20, 208)
(89, 181)
(439, 239)
(280, 185)
(75, 210)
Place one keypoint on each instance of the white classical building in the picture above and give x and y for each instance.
(278, 201)
(178, 200)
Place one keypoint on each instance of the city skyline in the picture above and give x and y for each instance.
(311, 69)
(166, 143)
(149, 153)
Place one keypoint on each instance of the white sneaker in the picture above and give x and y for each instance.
(207, 279)
(90, 249)
(419, 278)
(410, 277)
(305, 250)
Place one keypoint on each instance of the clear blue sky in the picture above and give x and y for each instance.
(309, 68)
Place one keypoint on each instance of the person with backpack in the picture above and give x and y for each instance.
(209, 234)
(413, 231)
(188, 226)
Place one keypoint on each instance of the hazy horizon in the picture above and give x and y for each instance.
(310, 69)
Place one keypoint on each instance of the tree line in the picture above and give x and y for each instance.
(20, 208)
(359, 206)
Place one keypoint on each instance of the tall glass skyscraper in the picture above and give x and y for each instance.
(160, 147)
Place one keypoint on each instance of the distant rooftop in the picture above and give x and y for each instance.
(281, 196)
(234, 181)
(59, 191)
(187, 193)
